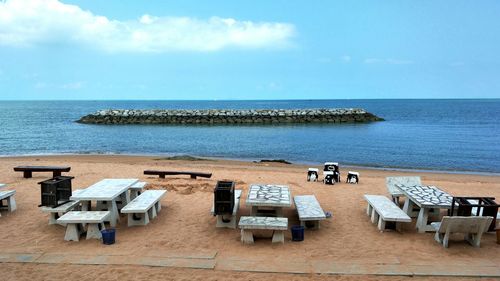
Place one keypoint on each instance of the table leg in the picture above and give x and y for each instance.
(279, 211)
(423, 216)
(254, 211)
(115, 216)
(11, 204)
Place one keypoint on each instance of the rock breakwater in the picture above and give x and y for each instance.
(229, 116)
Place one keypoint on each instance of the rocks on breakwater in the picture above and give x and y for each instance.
(229, 116)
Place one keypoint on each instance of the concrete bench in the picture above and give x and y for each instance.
(136, 189)
(28, 170)
(231, 223)
(162, 174)
(8, 195)
(309, 210)
(381, 209)
(144, 207)
(472, 228)
(247, 224)
(395, 192)
(76, 220)
(55, 213)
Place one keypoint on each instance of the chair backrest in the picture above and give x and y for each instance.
(465, 224)
(408, 181)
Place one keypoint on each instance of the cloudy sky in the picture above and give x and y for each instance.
(249, 49)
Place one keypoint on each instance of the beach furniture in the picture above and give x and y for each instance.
(144, 207)
(28, 170)
(395, 192)
(332, 167)
(55, 191)
(248, 224)
(312, 174)
(381, 210)
(352, 177)
(55, 212)
(429, 199)
(228, 221)
(309, 210)
(106, 193)
(268, 199)
(76, 220)
(136, 189)
(472, 228)
(329, 177)
(475, 206)
(162, 174)
(10, 201)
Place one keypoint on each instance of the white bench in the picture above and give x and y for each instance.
(76, 220)
(136, 189)
(472, 227)
(309, 210)
(395, 192)
(55, 213)
(8, 195)
(231, 223)
(144, 207)
(276, 224)
(381, 209)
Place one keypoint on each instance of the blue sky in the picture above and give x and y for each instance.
(249, 49)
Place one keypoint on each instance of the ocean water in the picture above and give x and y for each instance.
(445, 135)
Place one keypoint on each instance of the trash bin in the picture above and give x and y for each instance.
(108, 236)
(297, 233)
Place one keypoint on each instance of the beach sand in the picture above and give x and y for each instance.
(185, 227)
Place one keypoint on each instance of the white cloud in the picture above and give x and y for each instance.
(34, 22)
(387, 61)
(345, 58)
(72, 86)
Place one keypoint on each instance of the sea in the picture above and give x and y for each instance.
(452, 135)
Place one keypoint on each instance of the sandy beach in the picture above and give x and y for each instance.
(185, 227)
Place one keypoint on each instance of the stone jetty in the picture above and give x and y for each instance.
(229, 116)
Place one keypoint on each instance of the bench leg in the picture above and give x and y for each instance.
(381, 224)
(474, 239)
(52, 218)
(133, 194)
(158, 206)
(278, 236)
(162, 176)
(247, 236)
(11, 204)
(369, 210)
(374, 216)
(93, 231)
(72, 232)
(56, 174)
(446, 238)
(193, 176)
(152, 212)
(138, 219)
(27, 174)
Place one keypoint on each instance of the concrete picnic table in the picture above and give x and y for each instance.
(106, 192)
(426, 197)
(268, 196)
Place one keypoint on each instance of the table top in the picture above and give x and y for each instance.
(427, 196)
(391, 183)
(105, 190)
(269, 195)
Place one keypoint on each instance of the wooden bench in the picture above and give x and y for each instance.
(136, 189)
(472, 227)
(382, 209)
(162, 174)
(28, 170)
(144, 207)
(76, 220)
(395, 192)
(8, 195)
(247, 224)
(309, 210)
(231, 223)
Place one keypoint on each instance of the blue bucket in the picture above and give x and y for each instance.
(108, 236)
(297, 233)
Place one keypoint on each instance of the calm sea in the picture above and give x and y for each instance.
(451, 135)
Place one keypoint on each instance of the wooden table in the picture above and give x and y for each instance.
(268, 196)
(426, 197)
(106, 193)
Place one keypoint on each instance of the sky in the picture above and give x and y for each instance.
(248, 49)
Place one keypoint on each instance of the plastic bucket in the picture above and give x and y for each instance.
(297, 233)
(108, 236)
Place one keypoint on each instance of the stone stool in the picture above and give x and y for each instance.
(312, 174)
(352, 177)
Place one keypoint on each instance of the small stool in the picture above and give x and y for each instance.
(312, 174)
(352, 177)
(329, 177)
